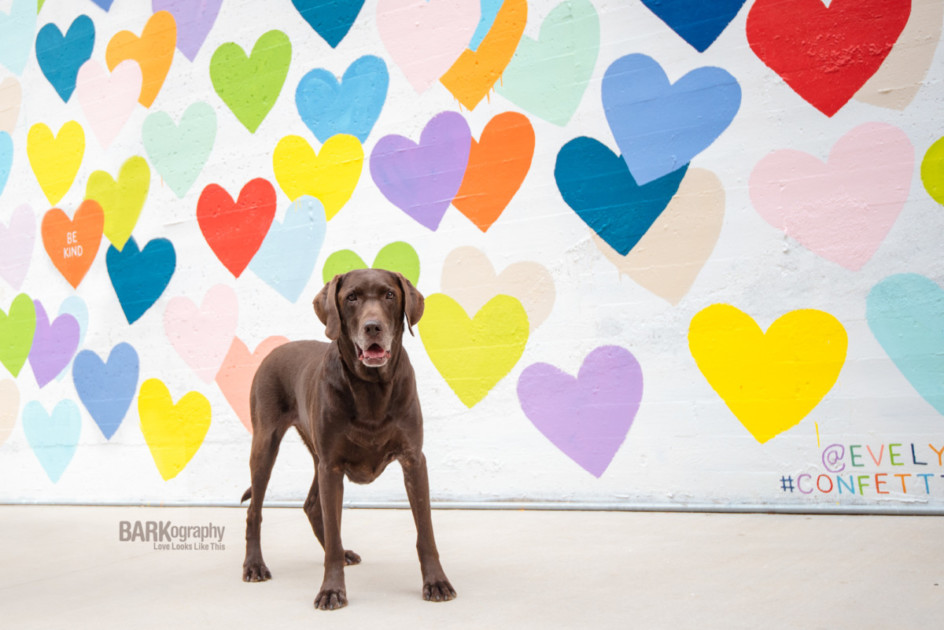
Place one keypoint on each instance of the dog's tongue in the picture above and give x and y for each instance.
(375, 352)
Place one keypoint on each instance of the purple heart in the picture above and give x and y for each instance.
(586, 417)
(54, 345)
(16, 245)
(194, 20)
(422, 179)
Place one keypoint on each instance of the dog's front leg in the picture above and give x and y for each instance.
(436, 586)
(331, 487)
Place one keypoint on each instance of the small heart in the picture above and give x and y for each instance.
(107, 388)
(72, 244)
(179, 152)
(194, 21)
(772, 380)
(16, 245)
(397, 256)
(76, 307)
(6, 158)
(598, 186)
(332, 19)
(236, 374)
(16, 333)
(843, 209)
(698, 23)
(202, 335)
(104, 4)
(108, 100)
(932, 171)
(173, 432)
(16, 32)
(547, 77)
(55, 437)
(351, 106)
(139, 277)
(9, 408)
(121, 200)
(234, 230)
(422, 179)
(586, 417)
(474, 354)
(55, 160)
(60, 56)
(11, 97)
(288, 254)
(250, 85)
(154, 52)
(330, 176)
(54, 345)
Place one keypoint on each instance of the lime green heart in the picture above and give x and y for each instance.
(250, 85)
(121, 199)
(397, 256)
(16, 333)
(932, 171)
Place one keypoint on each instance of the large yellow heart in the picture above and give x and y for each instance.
(55, 159)
(329, 177)
(122, 200)
(769, 381)
(474, 354)
(174, 433)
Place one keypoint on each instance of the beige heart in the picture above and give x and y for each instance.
(9, 408)
(11, 95)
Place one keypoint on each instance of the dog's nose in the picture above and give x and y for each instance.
(372, 327)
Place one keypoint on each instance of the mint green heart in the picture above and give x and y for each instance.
(16, 333)
(397, 256)
(250, 85)
(548, 76)
(179, 152)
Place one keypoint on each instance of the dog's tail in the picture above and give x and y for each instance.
(246, 494)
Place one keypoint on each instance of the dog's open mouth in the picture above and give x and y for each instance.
(373, 356)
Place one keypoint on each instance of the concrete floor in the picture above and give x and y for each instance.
(66, 567)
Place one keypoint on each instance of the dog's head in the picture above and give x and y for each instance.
(366, 307)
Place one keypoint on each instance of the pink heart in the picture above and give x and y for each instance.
(426, 37)
(16, 245)
(843, 209)
(239, 367)
(108, 99)
(202, 336)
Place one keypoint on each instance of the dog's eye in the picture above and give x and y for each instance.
(351, 297)
(391, 295)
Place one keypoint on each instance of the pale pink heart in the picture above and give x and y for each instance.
(425, 38)
(202, 336)
(11, 96)
(108, 99)
(16, 245)
(9, 408)
(843, 209)
(235, 375)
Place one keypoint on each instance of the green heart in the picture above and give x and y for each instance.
(548, 76)
(123, 199)
(397, 256)
(932, 171)
(250, 86)
(178, 153)
(16, 333)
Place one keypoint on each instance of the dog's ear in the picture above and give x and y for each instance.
(413, 302)
(326, 308)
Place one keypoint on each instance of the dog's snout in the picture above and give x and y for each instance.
(372, 327)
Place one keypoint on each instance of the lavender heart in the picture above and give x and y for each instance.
(54, 345)
(422, 179)
(586, 417)
(194, 20)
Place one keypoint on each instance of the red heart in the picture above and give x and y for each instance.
(825, 53)
(235, 230)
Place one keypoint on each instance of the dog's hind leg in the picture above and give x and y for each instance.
(265, 448)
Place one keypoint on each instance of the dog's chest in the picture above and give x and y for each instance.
(368, 451)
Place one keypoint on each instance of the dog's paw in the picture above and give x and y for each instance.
(438, 591)
(256, 572)
(331, 599)
(351, 558)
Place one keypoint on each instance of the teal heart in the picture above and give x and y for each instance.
(179, 152)
(906, 315)
(55, 437)
(16, 34)
(548, 76)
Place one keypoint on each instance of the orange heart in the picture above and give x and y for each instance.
(73, 243)
(236, 373)
(498, 163)
(154, 52)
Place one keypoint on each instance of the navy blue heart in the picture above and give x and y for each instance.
(60, 56)
(331, 19)
(699, 22)
(597, 184)
(140, 276)
(107, 388)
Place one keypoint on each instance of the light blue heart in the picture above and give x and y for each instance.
(53, 438)
(659, 127)
(179, 152)
(75, 306)
(352, 106)
(490, 10)
(16, 34)
(288, 254)
(6, 158)
(906, 315)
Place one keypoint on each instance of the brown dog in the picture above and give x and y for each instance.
(354, 402)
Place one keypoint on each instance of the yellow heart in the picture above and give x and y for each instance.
(121, 200)
(329, 177)
(769, 381)
(174, 433)
(474, 354)
(55, 159)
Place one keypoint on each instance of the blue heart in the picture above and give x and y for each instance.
(107, 389)
(331, 19)
(105, 4)
(140, 276)
(906, 315)
(53, 438)
(60, 57)
(490, 10)
(6, 158)
(659, 127)
(696, 21)
(351, 106)
(597, 185)
(16, 34)
(288, 254)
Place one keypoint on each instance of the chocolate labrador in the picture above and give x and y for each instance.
(354, 402)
